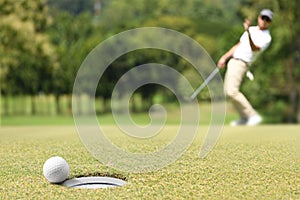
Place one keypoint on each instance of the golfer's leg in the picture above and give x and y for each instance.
(244, 106)
(233, 79)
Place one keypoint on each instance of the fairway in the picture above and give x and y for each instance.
(248, 163)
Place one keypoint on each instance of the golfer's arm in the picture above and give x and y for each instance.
(253, 46)
(229, 53)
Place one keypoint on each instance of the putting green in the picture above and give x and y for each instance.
(260, 162)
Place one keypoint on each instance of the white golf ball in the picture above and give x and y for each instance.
(56, 169)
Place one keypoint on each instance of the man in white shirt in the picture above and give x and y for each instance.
(254, 40)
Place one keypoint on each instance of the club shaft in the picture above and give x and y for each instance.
(207, 80)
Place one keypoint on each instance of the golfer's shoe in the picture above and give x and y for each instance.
(239, 122)
(254, 120)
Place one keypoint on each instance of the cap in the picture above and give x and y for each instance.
(267, 12)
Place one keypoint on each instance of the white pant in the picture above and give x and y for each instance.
(236, 70)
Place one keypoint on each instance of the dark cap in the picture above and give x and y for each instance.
(267, 12)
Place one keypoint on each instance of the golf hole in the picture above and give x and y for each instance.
(94, 182)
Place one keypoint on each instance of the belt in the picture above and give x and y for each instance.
(241, 60)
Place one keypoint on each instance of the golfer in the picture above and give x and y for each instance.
(254, 40)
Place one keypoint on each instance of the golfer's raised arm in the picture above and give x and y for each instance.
(252, 45)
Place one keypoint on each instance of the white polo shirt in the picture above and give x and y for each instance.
(260, 38)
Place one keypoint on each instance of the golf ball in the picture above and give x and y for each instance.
(56, 169)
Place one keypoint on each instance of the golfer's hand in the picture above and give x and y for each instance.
(222, 62)
(246, 24)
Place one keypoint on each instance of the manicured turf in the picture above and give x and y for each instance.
(173, 117)
(248, 163)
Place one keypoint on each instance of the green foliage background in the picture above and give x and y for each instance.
(43, 43)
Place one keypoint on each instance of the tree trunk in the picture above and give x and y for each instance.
(6, 105)
(293, 106)
(298, 110)
(291, 89)
(33, 105)
(69, 104)
(91, 108)
(57, 105)
(134, 107)
(77, 104)
(105, 106)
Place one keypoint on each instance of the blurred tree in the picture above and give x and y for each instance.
(27, 56)
(74, 7)
(71, 36)
(184, 17)
(29, 64)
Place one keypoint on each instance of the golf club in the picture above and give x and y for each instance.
(207, 80)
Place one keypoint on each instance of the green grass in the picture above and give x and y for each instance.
(248, 163)
(173, 117)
